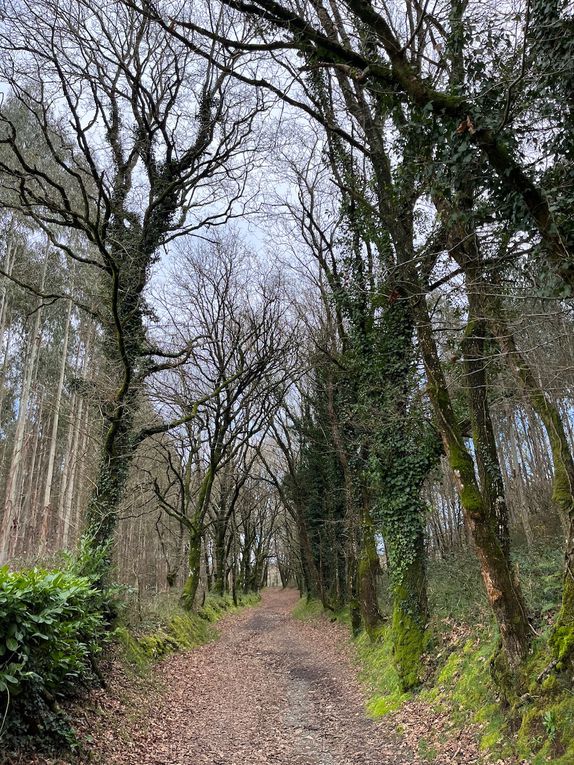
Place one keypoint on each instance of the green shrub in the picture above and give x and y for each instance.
(51, 630)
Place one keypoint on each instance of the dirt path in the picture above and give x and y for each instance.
(271, 690)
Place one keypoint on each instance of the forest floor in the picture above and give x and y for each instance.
(272, 690)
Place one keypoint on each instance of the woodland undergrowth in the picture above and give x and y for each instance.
(61, 642)
(536, 728)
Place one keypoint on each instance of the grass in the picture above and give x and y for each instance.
(464, 639)
(163, 627)
(307, 609)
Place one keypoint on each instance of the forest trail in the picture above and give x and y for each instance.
(271, 690)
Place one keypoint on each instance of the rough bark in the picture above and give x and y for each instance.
(502, 588)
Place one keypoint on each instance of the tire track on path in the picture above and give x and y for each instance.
(271, 691)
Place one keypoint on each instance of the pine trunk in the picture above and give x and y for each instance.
(47, 519)
(11, 520)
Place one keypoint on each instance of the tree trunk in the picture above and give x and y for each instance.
(489, 472)
(368, 570)
(410, 617)
(562, 639)
(195, 526)
(310, 571)
(9, 529)
(189, 592)
(220, 556)
(8, 264)
(117, 456)
(46, 507)
(502, 589)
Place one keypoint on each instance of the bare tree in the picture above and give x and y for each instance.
(136, 141)
(238, 334)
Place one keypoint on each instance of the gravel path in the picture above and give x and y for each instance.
(271, 690)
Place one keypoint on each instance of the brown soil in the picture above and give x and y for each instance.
(271, 690)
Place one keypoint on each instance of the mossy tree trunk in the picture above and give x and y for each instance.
(219, 552)
(483, 501)
(410, 617)
(115, 461)
(368, 571)
(189, 591)
(488, 312)
(407, 449)
(358, 509)
(195, 540)
(502, 588)
(124, 345)
(476, 384)
(353, 586)
(562, 640)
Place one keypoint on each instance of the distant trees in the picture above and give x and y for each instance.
(43, 432)
(136, 141)
(425, 139)
(388, 381)
(240, 355)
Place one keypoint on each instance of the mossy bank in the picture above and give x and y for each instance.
(457, 685)
(166, 628)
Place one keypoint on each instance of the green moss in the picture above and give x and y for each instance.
(463, 688)
(132, 652)
(463, 467)
(409, 643)
(547, 731)
(379, 673)
(159, 644)
(170, 628)
(562, 638)
(494, 727)
(562, 642)
(550, 685)
(190, 630)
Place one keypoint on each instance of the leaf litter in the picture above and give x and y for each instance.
(271, 691)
